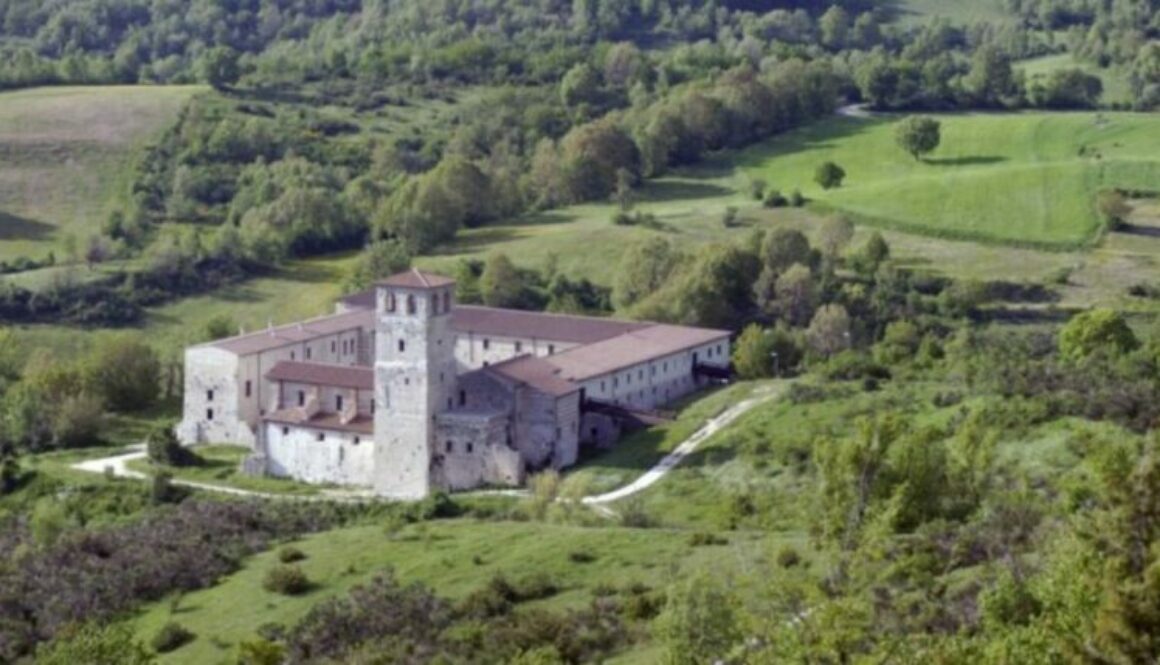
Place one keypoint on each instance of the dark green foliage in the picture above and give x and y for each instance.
(164, 448)
(286, 580)
(829, 175)
(918, 135)
(291, 554)
(171, 637)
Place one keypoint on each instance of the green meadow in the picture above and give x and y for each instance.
(66, 157)
(1023, 178)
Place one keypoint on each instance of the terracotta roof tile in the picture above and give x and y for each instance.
(632, 348)
(322, 420)
(535, 372)
(417, 279)
(565, 328)
(294, 333)
(322, 374)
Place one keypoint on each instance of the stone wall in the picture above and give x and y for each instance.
(319, 456)
(210, 410)
(472, 451)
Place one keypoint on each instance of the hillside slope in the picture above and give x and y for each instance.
(64, 158)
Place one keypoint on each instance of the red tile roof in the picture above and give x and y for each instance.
(323, 420)
(632, 348)
(294, 333)
(321, 374)
(417, 279)
(535, 372)
(564, 328)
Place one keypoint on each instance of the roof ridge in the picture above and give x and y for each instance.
(421, 276)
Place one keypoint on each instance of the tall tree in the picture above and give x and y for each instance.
(918, 135)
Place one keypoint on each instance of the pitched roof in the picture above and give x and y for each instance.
(631, 348)
(535, 372)
(361, 424)
(539, 325)
(293, 333)
(417, 279)
(322, 374)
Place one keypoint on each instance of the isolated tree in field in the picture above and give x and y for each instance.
(829, 175)
(1100, 329)
(220, 326)
(219, 67)
(918, 135)
(829, 331)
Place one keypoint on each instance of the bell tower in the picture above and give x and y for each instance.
(414, 378)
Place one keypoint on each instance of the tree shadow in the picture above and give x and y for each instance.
(481, 238)
(660, 191)
(13, 227)
(975, 160)
(1139, 230)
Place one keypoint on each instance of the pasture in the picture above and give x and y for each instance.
(65, 159)
(1025, 179)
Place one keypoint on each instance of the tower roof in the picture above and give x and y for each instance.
(417, 279)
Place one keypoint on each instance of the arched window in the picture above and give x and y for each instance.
(411, 304)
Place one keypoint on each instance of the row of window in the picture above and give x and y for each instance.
(519, 346)
(412, 305)
(320, 437)
(468, 448)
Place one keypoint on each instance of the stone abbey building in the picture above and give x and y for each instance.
(404, 392)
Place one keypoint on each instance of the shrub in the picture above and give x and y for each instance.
(286, 580)
(788, 557)
(704, 538)
(581, 556)
(729, 217)
(829, 175)
(171, 637)
(164, 448)
(757, 188)
(774, 199)
(290, 554)
(796, 199)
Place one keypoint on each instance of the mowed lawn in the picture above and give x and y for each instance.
(454, 558)
(66, 155)
(1022, 178)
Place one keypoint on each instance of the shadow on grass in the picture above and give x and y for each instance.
(1139, 230)
(661, 191)
(478, 239)
(975, 160)
(815, 136)
(13, 227)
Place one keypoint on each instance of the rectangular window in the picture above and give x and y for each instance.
(470, 447)
(450, 446)
(209, 414)
(249, 388)
(402, 346)
(321, 436)
(558, 432)
(338, 403)
(292, 355)
(209, 395)
(551, 349)
(285, 431)
(333, 346)
(486, 344)
(462, 398)
(301, 398)
(357, 440)
(308, 353)
(519, 346)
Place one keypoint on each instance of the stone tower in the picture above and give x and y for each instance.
(414, 379)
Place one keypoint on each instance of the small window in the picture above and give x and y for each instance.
(285, 431)
(601, 386)
(338, 402)
(594, 433)
(209, 414)
(450, 446)
(333, 346)
(209, 395)
(391, 305)
(640, 375)
(558, 433)
(551, 349)
(402, 346)
(519, 347)
(470, 447)
(462, 398)
(435, 304)
(249, 388)
(308, 353)
(321, 436)
(357, 440)
(292, 355)
(486, 344)
(486, 363)
(341, 454)
(411, 304)
(301, 398)
(616, 382)
(446, 301)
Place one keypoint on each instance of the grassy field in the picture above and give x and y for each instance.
(1027, 178)
(453, 557)
(913, 12)
(1116, 86)
(220, 466)
(65, 154)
